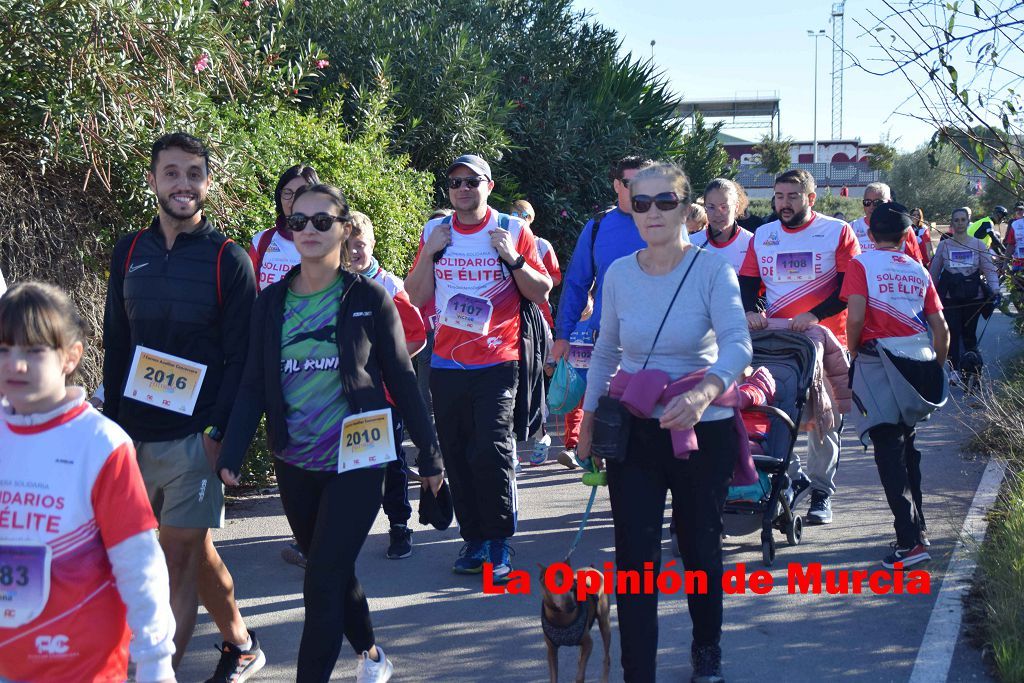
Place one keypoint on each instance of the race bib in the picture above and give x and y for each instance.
(367, 439)
(579, 355)
(164, 381)
(468, 313)
(794, 266)
(961, 256)
(24, 582)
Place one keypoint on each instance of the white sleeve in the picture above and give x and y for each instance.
(3, 285)
(141, 574)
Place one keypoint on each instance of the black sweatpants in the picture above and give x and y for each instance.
(638, 488)
(473, 414)
(962, 319)
(330, 514)
(899, 468)
(396, 480)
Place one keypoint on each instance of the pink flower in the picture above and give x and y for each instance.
(322, 63)
(246, 3)
(565, 214)
(202, 63)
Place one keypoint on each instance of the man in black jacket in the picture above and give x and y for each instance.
(179, 299)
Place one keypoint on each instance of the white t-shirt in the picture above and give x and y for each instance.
(734, 251)
(274, 263)
(860, 228)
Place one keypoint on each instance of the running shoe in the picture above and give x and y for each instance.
(471, 558)
(237, 665)
(401, 542)
(292, 555)
(820, 511)
(707, 663)
(539, 452)
(370, 671)
(500, 555)
(923, 535)
(568, 458)
(908, 556)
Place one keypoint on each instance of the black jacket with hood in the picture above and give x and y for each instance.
(371, 353)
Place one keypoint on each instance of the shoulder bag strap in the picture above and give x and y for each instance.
(670, 304)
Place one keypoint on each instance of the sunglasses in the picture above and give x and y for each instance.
(473, 183)
(625, 182)
(522, 214)
(665, 201)
(288, 194)
(872, 202)
(322, 221)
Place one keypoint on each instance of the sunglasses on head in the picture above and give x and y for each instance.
(322, 221)
(456, 183)
(872, 202)
(665, 201)
(525, 215)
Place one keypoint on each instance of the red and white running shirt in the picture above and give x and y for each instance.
(476, 300)
(1015, 243)
(412, 321)
(273, 254)
(800, 266)
(899, 292)
(910, 245)
(70, 487)
(734, 251)
(550, 261)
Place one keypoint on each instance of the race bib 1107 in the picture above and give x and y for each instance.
(468, 313)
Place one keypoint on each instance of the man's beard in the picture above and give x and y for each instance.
(168, 206)
(798, 218)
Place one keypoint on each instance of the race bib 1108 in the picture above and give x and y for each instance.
(794, 266)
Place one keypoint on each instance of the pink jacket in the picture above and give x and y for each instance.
(830, 390)
(642, 391)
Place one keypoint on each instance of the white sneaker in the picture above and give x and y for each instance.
(370, 671)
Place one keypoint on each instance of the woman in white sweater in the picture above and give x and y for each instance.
(673, 308)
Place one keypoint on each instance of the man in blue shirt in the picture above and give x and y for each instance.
(617, 236)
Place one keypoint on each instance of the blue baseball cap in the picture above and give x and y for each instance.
(473, 163)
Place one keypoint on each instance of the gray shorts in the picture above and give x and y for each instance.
(182, 489)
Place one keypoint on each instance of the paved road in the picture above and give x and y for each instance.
(439, 627)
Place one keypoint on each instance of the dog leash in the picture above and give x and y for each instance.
(583, 524)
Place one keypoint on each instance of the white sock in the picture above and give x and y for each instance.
(247, 645)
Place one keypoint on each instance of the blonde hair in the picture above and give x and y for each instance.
(731, 189)
(361, 227)
(698, 214)
(670, 172)
(523, 205)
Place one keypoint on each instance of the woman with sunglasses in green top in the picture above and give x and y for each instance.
(324, 343)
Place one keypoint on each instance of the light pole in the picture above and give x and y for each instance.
(819, 34)
(652, 50)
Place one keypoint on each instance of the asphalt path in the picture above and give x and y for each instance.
(437, 626)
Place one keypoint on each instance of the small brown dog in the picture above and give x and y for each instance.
(567, 622)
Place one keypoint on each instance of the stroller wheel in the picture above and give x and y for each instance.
(768, 552)
(794, 530)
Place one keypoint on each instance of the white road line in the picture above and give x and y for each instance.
(936, 652)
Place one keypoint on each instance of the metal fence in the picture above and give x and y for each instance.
(825, 175)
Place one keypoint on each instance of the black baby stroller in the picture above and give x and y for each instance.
(789, 357)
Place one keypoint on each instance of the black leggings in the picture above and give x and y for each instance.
(962, 319)
(899, 469)
(331, 515)
(638, 488)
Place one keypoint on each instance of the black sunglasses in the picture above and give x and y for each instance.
(665, 201)
(322, 221)
(456, 183)
(872, 202)
(625, 181)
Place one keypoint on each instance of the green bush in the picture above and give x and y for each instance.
(826, 204)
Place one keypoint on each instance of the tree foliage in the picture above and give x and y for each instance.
(933, 179)
(775, 153)
(704, 156)
(965, 63)
(883, 156)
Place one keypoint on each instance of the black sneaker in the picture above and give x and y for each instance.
(292, 555)
(707, 663)
(401, 542)
(238, 665)
(908, 556)
(820, 511)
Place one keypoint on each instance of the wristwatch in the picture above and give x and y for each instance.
(517, 264)
(214, 433)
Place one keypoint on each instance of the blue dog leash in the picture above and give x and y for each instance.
(586, 513)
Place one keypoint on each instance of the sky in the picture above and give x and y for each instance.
(719, 50)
